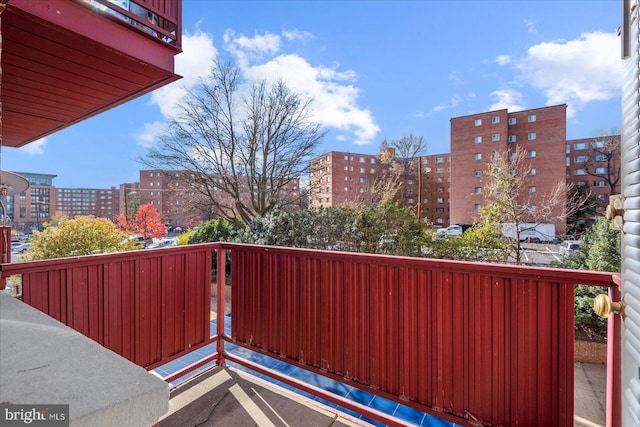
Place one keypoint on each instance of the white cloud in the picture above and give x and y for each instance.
(333, 91)
(503, 60)
(507, 98)
(296, 34)
(574, 72)
(334, 98)
(531, 27)
(420, 115)
(148, 136)
(452, 103)
(249, 49)
(195, 61)
(455, 78)
(35, 147)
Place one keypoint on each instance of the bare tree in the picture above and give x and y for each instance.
(244, 153)
(510, 202)
(605, 163)
(401, 158)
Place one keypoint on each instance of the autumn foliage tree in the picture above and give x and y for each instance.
(82, 235)
(146, 222)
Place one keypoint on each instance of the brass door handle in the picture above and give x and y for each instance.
(603, 306)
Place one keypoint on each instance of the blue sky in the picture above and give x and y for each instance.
(375, 70)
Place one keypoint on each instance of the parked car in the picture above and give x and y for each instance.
(18, 248)
(569, 247)
(452, 230)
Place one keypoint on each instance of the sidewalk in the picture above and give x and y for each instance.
(590, 385)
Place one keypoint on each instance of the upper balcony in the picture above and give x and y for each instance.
(64, 61)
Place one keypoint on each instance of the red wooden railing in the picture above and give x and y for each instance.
(468, 342)
(148, 306)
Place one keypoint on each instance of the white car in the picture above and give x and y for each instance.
(569, 247)
(18, 248)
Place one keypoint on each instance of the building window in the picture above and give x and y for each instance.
(477, 190)
(362, 170)
(531, 153)
(512, 156)
(601, 170)
(532, 190)
(600, 144)
(531, 118)
(478, 122)
(478, 139)
(440, 210)
(568, 149)
(495, 119)
(512, 138)
(581, 159)
(346, 168)
(477, 207)
(477, 156)
(495, 155)
(600, 157)
(440, 200)
(495, 137)
(361, 159)
(439, 159)
(531, 136)
(581, 146)
(361, 190)
(512, 120)
(151, 184)
(581, 184)
(579, 172)
(346, 188)
(361, 180)
(532, 171)
(439, 179)
(372, 171)
(568, 162)
(599, 183)
(151, 174)
(439, 170)
(440, 189)
(373, 161)
(477, 173)
(329, 179)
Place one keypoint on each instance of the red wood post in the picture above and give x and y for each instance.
(614, 360)
(220, 282)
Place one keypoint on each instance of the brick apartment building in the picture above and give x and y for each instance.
(477, 138)
(101, 203)
(341, 178)
(447, 188)
(179, 203)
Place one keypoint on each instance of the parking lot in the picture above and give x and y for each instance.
(540, 253)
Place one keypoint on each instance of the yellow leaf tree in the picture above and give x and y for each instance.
(83, 235)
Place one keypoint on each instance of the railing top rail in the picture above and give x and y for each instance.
(61, 263)
(595, 278)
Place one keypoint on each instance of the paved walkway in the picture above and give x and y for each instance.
(590, 386)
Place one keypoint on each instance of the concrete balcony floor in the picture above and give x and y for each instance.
(230, 396)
